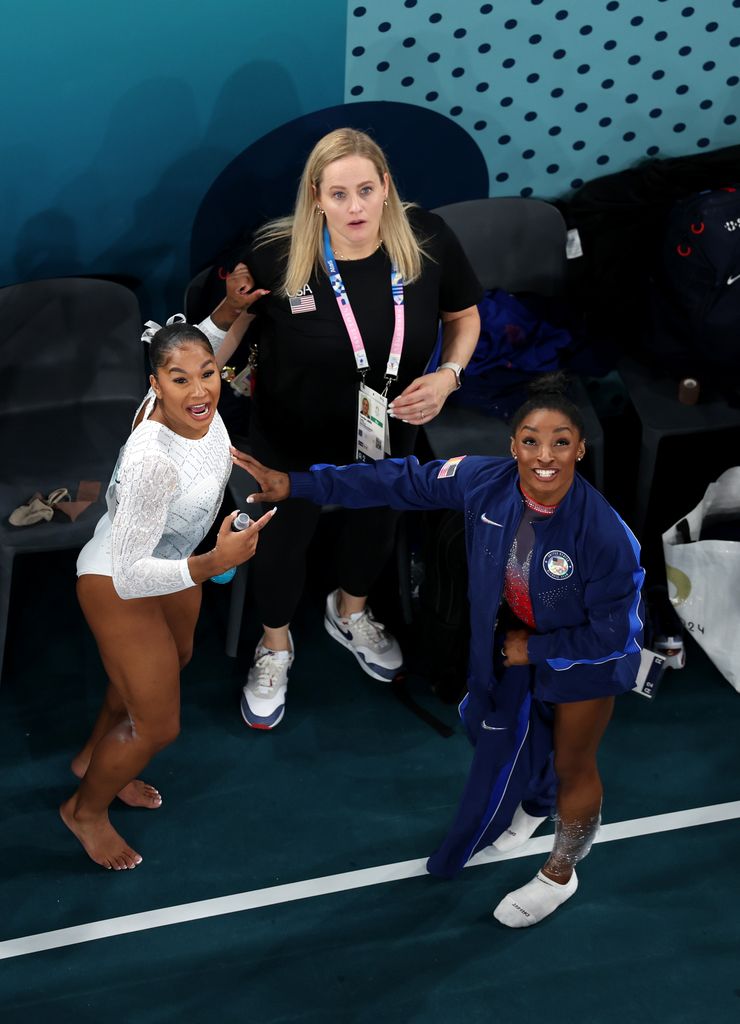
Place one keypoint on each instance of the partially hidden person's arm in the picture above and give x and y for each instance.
(230, 320)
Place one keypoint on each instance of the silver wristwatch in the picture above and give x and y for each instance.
(456, 369)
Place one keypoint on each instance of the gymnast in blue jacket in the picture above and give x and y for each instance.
(556, 630)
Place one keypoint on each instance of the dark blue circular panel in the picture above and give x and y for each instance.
(266, 171)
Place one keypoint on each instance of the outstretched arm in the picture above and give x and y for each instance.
(398, 483)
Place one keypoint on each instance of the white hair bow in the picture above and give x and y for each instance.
(152, 326)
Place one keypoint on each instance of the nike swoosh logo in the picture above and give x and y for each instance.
(490, 522)
(731, 280)
(494, 728)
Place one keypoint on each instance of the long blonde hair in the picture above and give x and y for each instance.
(305, 228)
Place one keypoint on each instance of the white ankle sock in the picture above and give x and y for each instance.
(522, 827)
(534, 901)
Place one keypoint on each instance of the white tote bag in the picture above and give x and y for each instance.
(704, 577)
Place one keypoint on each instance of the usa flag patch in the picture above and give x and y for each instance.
(450, 467)
(304, 303)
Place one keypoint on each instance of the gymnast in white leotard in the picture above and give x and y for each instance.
(139, 581)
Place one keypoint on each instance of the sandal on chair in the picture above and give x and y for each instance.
(38, 509)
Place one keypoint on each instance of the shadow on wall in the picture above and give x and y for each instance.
(433, 161)
(145, 219)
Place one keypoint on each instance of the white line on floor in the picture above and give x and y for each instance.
(339, 883)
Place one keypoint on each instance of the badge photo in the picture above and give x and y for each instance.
(558, 565)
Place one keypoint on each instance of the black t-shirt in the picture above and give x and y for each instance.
(305, 401)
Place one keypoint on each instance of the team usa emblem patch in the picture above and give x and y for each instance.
(450, 467)
(558, 565)
(303, 301)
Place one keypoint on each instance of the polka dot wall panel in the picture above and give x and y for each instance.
(556, 92)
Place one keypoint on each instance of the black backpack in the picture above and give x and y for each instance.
(694, 329)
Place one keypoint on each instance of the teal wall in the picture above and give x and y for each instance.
(122, 114)
(118, 117)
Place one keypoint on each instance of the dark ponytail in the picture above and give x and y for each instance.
(168, 338)
(550, 391)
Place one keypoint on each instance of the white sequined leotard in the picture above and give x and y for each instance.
(163, 497)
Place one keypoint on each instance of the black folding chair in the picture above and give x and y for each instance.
(72, 365)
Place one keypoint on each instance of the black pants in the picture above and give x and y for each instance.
(361, 549)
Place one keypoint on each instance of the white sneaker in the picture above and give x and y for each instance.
(263, 698)
(377, 651)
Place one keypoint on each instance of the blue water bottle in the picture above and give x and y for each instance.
(241, 522)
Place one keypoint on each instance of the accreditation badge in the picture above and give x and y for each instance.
(372, 425)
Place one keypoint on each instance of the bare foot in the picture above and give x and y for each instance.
(136, 794)
(99, 839)
(140, 794)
